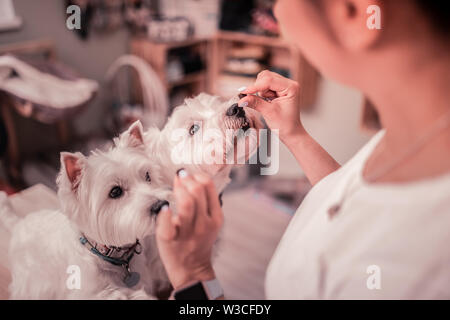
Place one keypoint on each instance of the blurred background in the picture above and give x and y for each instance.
(69, 88)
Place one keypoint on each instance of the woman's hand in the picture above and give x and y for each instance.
(185, 239)
(283, 111)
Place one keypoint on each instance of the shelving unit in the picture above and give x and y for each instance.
(196, 77)
(157, 55)
(214, 50)
(299, 69)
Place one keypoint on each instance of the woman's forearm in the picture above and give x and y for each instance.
(315, 161)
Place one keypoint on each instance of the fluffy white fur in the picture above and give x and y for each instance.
(44, 244)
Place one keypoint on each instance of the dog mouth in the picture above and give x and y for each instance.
(246, 124)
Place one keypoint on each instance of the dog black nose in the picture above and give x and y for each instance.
(156, 207)
(235, 111)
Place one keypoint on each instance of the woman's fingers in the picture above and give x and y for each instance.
(185, 217)
(254, 102)
(198, 203)
(272, 85)
(165, 228)
(198, 194)
(212, 198)
(268, 94)
(269, 85)
(267, 81)
(267, 73)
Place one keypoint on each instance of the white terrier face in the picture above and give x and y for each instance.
(208, 134)
(113, 196)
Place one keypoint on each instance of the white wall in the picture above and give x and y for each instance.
(334, 122)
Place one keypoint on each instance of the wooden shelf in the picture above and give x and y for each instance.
(187, 79)
(252, 39)
(214, 53)
(157, 55)
(174, 44)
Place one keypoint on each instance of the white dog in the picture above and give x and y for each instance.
(206, 134)
(90, 249)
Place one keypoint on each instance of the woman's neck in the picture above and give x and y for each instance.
(410, 101)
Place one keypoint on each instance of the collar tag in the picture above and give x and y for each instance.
(131, 278)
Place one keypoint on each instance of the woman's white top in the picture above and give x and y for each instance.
(389, 241)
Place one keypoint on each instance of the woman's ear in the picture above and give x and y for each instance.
(357, 24)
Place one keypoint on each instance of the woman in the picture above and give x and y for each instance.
(378, 226)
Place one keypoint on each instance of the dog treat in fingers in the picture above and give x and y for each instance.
(242, 95)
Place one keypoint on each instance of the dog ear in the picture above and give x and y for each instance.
(72, 165)
(134, 136)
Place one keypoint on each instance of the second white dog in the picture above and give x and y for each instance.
(90, 249)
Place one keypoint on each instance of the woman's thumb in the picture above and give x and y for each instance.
(165, 228)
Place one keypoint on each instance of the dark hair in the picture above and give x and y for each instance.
(438, 13)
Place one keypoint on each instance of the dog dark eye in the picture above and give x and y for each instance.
(147, 177)
(115, 192)
(194, 129)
